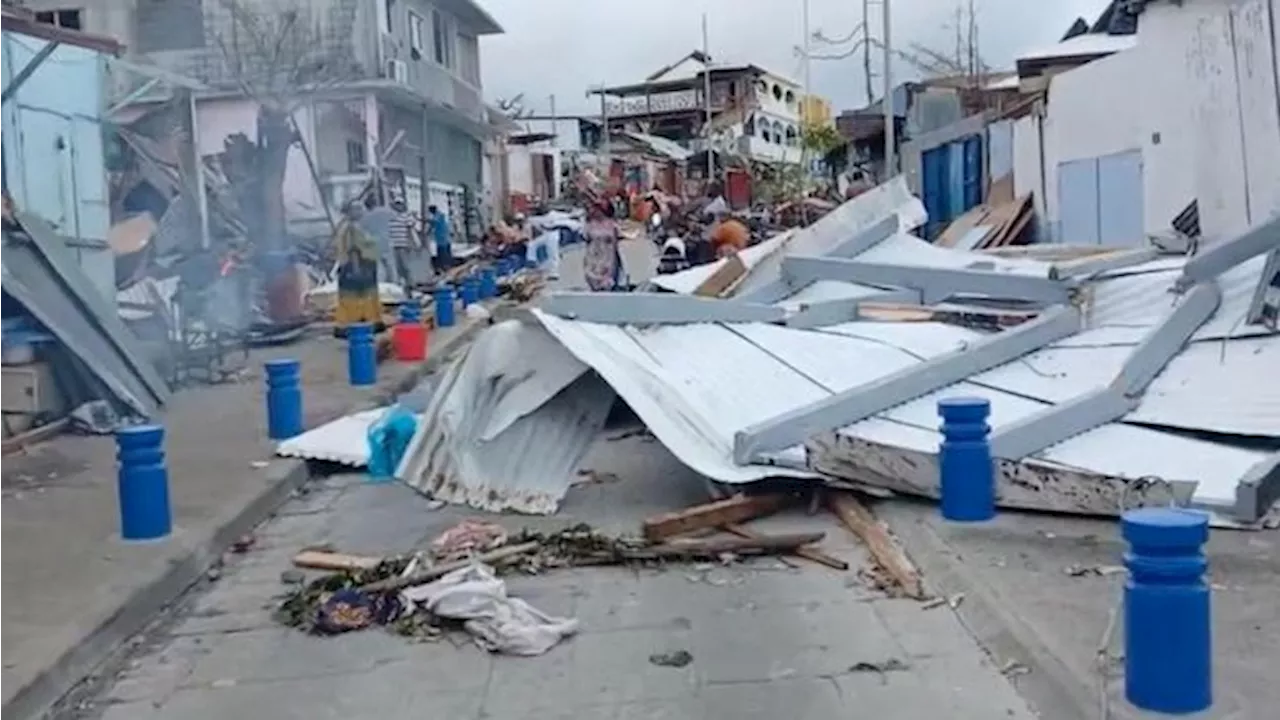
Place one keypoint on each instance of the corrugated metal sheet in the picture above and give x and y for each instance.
(344, 441)
(507, 425)
(56, 292)
(824, 290)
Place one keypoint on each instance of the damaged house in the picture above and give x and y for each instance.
(391, 85)
(64, 344)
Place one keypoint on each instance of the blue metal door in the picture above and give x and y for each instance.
(935, 175)
(972, 173)
(1120, 200)
(1078, 202)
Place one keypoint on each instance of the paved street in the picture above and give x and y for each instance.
(767, 641)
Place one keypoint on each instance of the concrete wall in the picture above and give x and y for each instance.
(1196, 97)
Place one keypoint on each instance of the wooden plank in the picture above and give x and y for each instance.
(720, 282)
(319, 560)
(808, 553)
(711, 515)
(977, 215)
(884, 550)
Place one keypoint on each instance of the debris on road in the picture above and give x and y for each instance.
(475, 596)
(712, 515)
(884, 550)
(675, 659)
(882, 667)
(424, 594)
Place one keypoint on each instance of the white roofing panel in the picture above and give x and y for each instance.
(344, 441)
(686, 281)
(823, 290)
(1140, 301)
(1081, 45)
(1226, 387)
(918, 339)
(907, 249)
(1056, 375)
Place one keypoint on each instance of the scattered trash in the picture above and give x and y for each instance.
(497, 622)
(587, 476)
(675, 658)
(352, 609)
(1101, 570)
(259, 464)
(468, 537)
(884, 666)
(243, 544)
(389, 437)
(1013, 668)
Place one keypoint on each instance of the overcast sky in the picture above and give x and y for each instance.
(561, 47)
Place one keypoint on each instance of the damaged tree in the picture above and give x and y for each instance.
(277, 54)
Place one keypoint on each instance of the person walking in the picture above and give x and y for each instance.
(440, 235)
(403, 242)
(602, 259)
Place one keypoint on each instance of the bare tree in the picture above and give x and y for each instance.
(278, 54)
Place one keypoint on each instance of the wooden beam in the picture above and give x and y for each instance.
(319, 560)
(808, 553)
(711, 515)
(884, 550)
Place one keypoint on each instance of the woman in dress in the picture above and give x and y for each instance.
(601, 261)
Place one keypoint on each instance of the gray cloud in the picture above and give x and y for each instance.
(561, 47)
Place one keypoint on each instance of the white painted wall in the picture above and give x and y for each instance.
(519, 169)
(1196, 96)
(1231, 58)
(1027, 178)
(1133, 100)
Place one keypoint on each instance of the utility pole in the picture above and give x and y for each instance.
(866, 49)
(706, 101)
(889, 130)
(555, 128)
(806, 52)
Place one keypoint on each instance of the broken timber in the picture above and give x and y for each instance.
(320, 560)
(711, 515)
(884, 550)
(808, 553)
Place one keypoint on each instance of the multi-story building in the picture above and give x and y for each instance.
(400, 86)
(754, 113)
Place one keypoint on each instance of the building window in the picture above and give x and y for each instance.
(162, 25)
(355, 156)
(792, 136)
(777, 92)
(442, 38)
(69, 19)
(791, 98)
(417, 34)
(387, 15)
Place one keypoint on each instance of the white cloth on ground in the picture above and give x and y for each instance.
(475, 595)
(551, 241)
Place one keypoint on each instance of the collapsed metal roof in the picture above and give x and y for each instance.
(41, 274)
(1124, 351)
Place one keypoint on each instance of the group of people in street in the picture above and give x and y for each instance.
(383, 241)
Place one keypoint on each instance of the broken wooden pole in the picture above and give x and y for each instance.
(712, 515)
(808, 553)
(710, 548)
(884, 550)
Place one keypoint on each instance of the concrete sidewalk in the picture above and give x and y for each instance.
(766, 641)
(73, 591)
(1040, 588)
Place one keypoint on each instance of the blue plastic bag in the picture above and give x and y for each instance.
(389, 437)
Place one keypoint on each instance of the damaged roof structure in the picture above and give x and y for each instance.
(1116, 379)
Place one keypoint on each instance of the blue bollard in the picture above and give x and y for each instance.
(284, 399)
(362, 355)
(470, 291)
(444, 306)
(142, 482)
(966, 476)
(1167, 643)
(488, 283)
(411, 312)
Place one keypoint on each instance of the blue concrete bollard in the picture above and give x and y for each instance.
(142, 482)
(1167, 643)
(488, 283)
(411, 312)
(470, 291)
(444, 306)
(967, 479)
(362, 355)
(284, 399)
